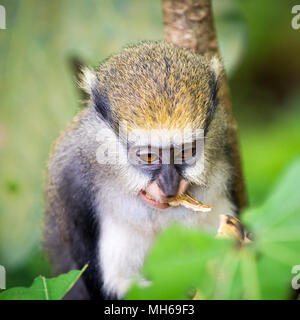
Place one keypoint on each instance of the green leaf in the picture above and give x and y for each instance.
(282, 207)
(276, 227)
(177, 262)
(183, 259)
(45, 289)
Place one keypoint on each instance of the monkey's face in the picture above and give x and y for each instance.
(165, 164)
(156, 86)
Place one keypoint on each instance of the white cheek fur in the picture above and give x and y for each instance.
(129, 227)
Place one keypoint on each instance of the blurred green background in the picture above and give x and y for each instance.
(39, 95)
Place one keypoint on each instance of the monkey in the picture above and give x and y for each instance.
(108, 213)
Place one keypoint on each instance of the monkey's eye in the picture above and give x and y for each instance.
(148, 157)
(187, 154)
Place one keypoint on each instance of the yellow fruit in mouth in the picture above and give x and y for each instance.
(189, 202)
(148, 196)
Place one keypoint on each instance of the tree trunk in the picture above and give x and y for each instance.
(189, 24)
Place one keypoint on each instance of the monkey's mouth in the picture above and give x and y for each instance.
(148, 199)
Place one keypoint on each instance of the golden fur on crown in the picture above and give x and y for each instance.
(156, 85)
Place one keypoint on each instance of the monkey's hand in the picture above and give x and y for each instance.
(231, 227)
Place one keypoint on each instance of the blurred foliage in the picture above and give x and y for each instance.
(232, 33)
(39, 96)
(182, 258)
(45, 289)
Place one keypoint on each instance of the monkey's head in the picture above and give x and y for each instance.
(160, 102)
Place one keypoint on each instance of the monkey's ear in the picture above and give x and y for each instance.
(90, 84)
(88, 80)
(216, 67)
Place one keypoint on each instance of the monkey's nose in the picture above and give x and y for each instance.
(168, 181)
(168, 190)
(170, 194)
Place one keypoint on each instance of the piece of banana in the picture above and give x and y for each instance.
(189, 202)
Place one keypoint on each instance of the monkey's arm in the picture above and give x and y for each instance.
(72, 221)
